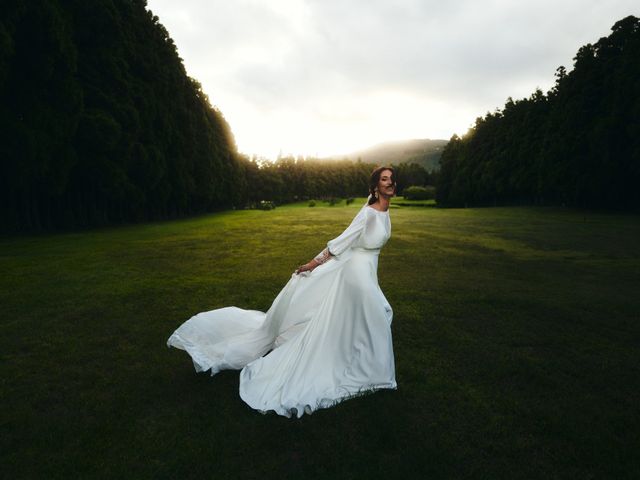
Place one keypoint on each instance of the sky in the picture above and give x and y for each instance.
(329, 77)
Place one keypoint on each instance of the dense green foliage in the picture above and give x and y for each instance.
(289, 179)
(419, 193)
(413, 174)
(100, 122)
(515, 334)
(577, 145)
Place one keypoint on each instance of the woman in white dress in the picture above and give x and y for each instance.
(327, 335)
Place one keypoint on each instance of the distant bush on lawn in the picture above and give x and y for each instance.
(266, 205)
(419, 193)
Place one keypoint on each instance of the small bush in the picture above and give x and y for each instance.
(419, 193)
(312, 203)
(266, 205)
(350, 200)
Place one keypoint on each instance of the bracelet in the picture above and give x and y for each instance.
(323, 256)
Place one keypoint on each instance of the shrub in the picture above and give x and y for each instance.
(350, 201)
(266, 205)
(312, 203)
(419, 193)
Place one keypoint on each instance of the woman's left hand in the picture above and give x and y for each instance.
(307, 267)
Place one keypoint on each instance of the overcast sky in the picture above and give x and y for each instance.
(322, 77)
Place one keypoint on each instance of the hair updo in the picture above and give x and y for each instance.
(375, 179)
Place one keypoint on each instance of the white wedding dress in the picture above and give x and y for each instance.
(325, 338)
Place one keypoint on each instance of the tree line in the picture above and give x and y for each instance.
(578, 144)
(100, 122)
(290, 179)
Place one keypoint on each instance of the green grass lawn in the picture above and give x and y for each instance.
(516, 335)
(403, 202)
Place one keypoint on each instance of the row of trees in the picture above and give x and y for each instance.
(289, 179)
(100, 123)
(577, 145)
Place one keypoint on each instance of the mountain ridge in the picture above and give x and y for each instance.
(423, 151)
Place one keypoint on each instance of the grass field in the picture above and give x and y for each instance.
(516, 336)
(401, 201)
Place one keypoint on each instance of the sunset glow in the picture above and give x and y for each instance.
(329, 78)
(364, 121)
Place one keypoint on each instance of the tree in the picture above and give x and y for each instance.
(576, 145)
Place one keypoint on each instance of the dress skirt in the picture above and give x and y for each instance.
(325, 338)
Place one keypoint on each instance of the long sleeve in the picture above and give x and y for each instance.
(349, 236)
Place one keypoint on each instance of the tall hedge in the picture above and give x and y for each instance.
(100, 122)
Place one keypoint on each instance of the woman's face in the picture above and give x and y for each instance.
(386, 186)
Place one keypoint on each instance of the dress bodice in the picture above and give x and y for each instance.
(370, 230)
(376, 231)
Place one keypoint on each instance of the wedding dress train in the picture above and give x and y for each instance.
(325, 338)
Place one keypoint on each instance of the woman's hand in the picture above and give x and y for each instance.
(307, 267)
(319, 259)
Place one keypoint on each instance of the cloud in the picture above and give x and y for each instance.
(328, 63)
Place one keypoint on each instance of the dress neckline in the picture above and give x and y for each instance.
(376, 210)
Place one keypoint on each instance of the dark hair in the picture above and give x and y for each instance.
(375, 179)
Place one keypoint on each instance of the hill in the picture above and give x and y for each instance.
(423, 151)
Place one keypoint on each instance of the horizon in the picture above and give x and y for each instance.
(352, 155)
(297, 77)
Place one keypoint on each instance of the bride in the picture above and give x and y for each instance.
(327, 335)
